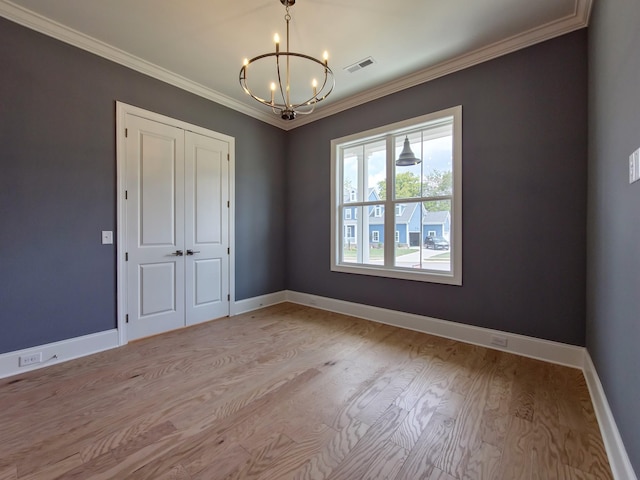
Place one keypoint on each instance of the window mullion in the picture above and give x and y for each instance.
(363, 243)
(389, 207)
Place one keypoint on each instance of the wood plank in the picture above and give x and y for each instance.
(357, 461)
(324, 462)
(9, 473)
(419, 465)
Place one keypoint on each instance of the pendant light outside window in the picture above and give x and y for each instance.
(407, 156)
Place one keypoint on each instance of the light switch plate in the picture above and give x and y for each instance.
(107, 237)
(634, 166)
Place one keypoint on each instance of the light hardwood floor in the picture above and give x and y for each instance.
(290, 392)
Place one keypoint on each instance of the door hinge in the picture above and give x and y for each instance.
(126, 132)
(228, 158)
(228, 251)
(126, 194)
(126, 256)
(228, 298)
(228, 204)
(126, 318)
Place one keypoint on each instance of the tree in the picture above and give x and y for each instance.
(407, 186)
(437, 184)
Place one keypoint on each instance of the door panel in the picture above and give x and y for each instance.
(207, 275)
(157, 184)
(157, 294)
(155, 227)
(206, 227)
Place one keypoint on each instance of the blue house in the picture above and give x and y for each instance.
(408, 218)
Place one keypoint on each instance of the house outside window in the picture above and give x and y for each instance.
(347, 214)
(414, 201)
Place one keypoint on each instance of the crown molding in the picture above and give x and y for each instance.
(46, 26)
(577, 20)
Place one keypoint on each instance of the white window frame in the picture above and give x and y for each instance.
(347, 214)
(431, 233)
(377, 211)
(454, 276)
(397, 236)
(375, 236)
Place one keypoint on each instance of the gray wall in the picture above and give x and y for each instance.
(613, 295)
(524, 195)
(58, 186)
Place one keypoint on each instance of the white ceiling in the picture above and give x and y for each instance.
(199, 45)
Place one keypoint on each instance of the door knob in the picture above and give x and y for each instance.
(178, 253)
(192, 252)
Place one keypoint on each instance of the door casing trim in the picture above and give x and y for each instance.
(122, 110)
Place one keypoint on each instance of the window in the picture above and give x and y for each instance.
(347, 214)
(418, 201)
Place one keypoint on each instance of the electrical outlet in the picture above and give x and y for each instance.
(499, 341)
(30, 359)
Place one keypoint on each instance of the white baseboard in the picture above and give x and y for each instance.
(618, 458)
(546, 350)
(254, 303)
(57, 352)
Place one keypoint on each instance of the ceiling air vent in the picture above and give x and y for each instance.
(360, 65)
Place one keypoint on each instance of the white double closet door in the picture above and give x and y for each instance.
(177, 227)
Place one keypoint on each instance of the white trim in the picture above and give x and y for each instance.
(423, 123)
(42, 24)
(554, 352)
(575, 21)
(63, 351)
(618, 458)
(255, 303)
(123, 109)
(578, 19)
(546, 350)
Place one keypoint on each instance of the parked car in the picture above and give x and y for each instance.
(437, 243)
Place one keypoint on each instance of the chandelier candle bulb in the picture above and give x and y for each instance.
(276, 38)
(273, 92)
(314, 84)
(325, 56)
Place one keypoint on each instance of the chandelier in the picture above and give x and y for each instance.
(283, 101)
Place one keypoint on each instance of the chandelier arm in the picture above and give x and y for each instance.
(280, 79)
(327, 70)
(243, 84)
